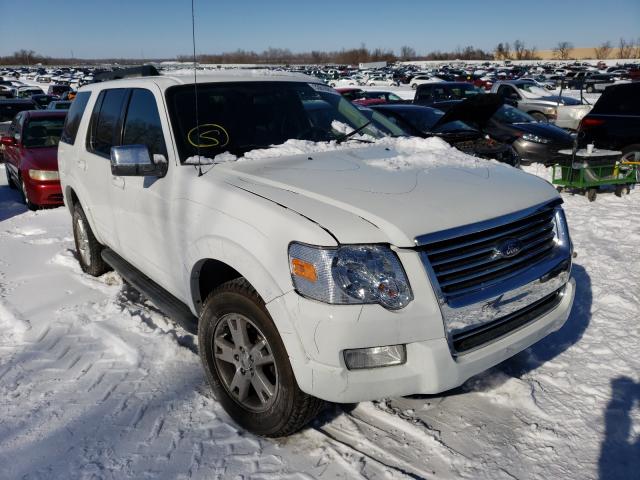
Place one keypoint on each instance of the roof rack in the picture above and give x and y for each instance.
(119, 73)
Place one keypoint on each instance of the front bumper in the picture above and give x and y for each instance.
(532, 152)
(44, 193)
(430, 367)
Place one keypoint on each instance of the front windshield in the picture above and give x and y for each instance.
(533, 89)
(510, 115)
(241, 116)
(43, 132)
(425, 119)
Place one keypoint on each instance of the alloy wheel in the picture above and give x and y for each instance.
(245, 362)
(83, 242)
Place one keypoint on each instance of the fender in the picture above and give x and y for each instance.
(245, 263)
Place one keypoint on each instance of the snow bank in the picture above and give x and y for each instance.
(410, 153)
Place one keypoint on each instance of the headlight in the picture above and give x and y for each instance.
(351, 274)
(530, 137)
(43, 175)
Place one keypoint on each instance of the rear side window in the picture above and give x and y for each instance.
(142, 124)
(105, 121)
(73, 118)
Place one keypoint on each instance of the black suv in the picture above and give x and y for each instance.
(614, 121)
(443, 95)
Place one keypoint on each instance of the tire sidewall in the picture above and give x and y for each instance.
(96, 267)
(219, 304)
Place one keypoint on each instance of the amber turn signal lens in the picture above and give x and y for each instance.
(304, 269)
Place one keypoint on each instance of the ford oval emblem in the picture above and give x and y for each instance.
(508, 248)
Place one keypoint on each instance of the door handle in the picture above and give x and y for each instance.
(117, 181)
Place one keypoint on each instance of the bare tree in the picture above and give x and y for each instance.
(507, 51)
(603, 51)
(625, 48)
(407, 53)
(519, 49)
(563, 50)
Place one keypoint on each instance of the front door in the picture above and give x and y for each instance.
(145, 230)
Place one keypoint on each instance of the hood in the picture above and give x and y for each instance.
(42, 158)
(554, 99)
(476, 110)
(545, 130)
(362, 195)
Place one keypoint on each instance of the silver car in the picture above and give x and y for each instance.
(565, 112)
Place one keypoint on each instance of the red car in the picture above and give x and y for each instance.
(31, 156)
(358, 96)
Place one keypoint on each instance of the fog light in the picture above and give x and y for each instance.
(375, 357)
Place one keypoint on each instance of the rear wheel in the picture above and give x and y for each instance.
(592, 193)
(247, 365)
(88, 248)
(10, 182)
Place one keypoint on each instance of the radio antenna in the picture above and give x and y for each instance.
(195, 85)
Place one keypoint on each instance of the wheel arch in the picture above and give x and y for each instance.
(207, 273)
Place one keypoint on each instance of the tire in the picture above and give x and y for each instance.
(632, 154)
(414, 85)
(231, 369)
(88, 248)
(10, 182)
(590, 89)
(592, 193)
(25, 196)
(540, 117)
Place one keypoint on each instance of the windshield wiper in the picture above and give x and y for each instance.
(347, 136)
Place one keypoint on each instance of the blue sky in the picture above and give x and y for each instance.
(162, 28)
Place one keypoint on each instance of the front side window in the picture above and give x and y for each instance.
(241, 116)
(142, 124)
(104, 131)
(42, 132)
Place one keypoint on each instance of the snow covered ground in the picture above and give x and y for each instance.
(96, 383)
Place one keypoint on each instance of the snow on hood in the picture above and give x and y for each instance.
(410, 153)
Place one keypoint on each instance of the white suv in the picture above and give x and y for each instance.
(336, 273)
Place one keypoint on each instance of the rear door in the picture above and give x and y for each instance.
(103, 133)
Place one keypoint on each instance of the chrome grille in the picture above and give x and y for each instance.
(465, 262)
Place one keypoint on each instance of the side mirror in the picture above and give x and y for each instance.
(8, 141)
(135, 161)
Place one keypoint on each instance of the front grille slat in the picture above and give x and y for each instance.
(492, 259)
(486, 272)
(449, 245)
(491, 247)
(468, 262)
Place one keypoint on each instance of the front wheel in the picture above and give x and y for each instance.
(247, 365)
(25, 196)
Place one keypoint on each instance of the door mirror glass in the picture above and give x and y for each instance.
(135, 161)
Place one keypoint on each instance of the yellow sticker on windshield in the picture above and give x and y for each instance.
(208, 135)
